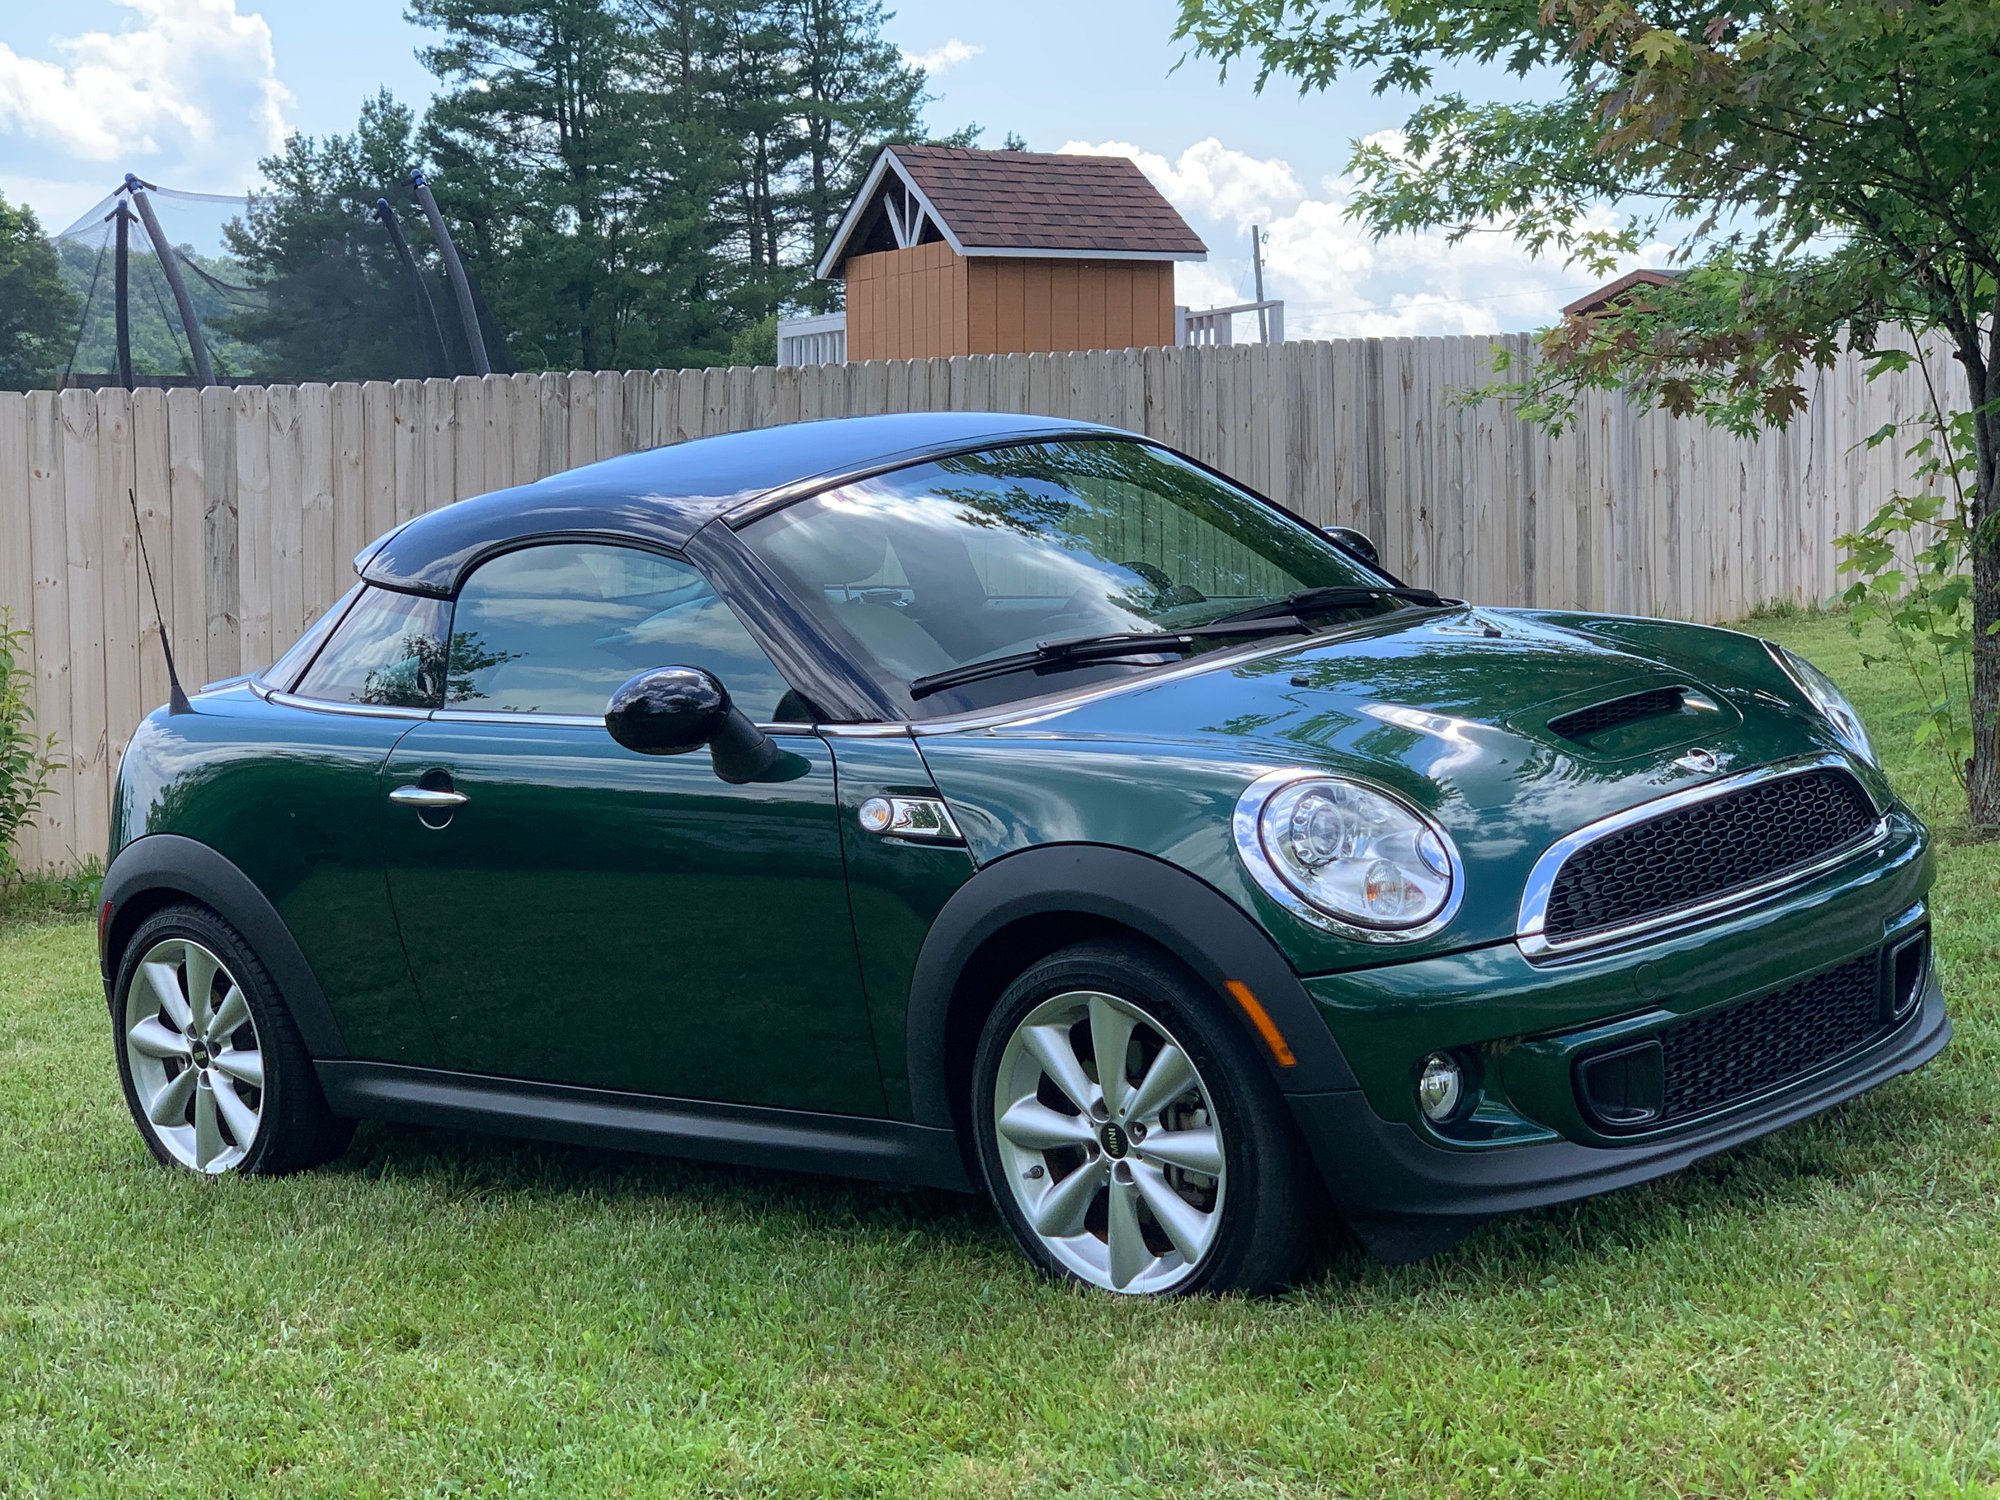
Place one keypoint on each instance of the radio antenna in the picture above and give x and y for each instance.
(177, 699)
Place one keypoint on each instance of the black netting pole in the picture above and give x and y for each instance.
(427, 318)
(121, 282)
(204, 373)
(460, 287)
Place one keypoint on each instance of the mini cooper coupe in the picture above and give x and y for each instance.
(1001, 803)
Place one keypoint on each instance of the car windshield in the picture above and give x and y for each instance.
(931, 569)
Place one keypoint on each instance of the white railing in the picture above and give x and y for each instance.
(813, 341)
(1217, 325)
(822, 340)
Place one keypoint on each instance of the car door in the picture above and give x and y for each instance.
(591, 915)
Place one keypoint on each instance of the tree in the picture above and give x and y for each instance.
(1827, 169)
(854, 94)
(536, 142)
(37, 311)
(332, 301)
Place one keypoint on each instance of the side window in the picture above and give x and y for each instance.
(557, 629)
(388, 651)
(283, 672)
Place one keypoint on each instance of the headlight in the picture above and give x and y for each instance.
(1829, 700)
(1348, 856)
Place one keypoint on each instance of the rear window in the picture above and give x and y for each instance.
(388, 651)
(283, 672)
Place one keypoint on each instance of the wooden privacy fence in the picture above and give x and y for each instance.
(253, 501)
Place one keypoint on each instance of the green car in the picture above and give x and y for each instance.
(999, 803)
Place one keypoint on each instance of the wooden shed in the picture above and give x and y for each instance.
(951, 251)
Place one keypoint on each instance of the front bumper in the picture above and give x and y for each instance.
(1524, 1028)
(1381, 1172)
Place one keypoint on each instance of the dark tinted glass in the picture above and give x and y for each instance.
(388, 651)
(976, 556)
(557, 629)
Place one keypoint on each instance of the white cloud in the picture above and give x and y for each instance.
(947, 54)
(186, 92)
(1338, 281)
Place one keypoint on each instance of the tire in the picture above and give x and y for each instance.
(1193, 1181)
(219, 1097)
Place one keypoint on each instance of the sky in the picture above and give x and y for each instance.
(189, 93)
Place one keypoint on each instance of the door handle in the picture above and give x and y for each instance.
(426, 798)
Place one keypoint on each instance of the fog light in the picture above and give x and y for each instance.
(1440, 1087)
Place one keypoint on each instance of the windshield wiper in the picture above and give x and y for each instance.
(1330, 597)
(1081, 651)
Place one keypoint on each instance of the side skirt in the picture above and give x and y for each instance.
(740, 1134)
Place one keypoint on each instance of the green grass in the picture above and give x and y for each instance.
(442, 1314)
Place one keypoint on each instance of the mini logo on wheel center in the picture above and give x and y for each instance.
(1114, 1140)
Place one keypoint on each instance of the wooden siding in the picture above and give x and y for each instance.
(928, 302)
(252, 502)
(907, 304)
(1032, 306)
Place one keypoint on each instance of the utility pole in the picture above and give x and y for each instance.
(1257, 271)
(204, 373)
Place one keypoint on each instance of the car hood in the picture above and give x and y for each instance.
(1461, 712)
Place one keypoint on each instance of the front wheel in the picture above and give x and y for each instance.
(1129, 1135)
(214, 1070)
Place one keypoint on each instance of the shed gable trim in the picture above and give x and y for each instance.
(885, 162)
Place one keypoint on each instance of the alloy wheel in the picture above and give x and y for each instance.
(197, 1065)
(1109, 1141)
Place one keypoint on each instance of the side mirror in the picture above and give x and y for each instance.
(672, 710)
(1357, 542)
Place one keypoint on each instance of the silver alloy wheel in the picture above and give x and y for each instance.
(196, 1064)
(1109, 1141)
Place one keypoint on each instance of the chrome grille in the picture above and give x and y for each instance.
(1706, 849)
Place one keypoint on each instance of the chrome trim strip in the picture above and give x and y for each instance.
(488, 716)
(324, 705)
(1247, 827)
(570, 721)
(1529, 933)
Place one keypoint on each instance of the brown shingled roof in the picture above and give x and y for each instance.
(1032, 203)
(1614, 292)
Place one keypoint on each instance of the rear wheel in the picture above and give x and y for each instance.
(1129, 1135)
(214, 1071)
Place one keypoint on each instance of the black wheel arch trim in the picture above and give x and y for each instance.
(183, 867)
(1190, 919)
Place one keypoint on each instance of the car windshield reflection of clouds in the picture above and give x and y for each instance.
(965, 558)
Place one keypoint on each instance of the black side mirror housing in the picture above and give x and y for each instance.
(1357, 542)
(673, 710)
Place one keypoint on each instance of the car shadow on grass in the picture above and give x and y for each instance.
(1728, 1195)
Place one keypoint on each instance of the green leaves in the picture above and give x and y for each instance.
(1659, 46)
(37, 310)
(27, 761)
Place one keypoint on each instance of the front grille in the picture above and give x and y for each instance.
(1587, 723)
(1708, 849)
(1713, 1060)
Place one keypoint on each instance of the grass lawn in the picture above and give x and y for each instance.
(441, 1314)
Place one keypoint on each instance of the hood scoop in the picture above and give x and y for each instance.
(1586, 725)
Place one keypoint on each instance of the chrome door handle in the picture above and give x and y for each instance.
(425, 797)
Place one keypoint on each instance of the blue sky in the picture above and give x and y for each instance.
(191, 92)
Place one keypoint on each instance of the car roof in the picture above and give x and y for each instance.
(665, 495)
